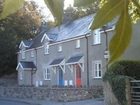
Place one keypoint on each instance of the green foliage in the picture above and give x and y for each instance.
(110, 10)
(113, 9)
(13, 29)
(10, 7)
(56, 8)
(137, 4)
(123, 30)
(122, 36)
(79, 3)
(116, 75)
(29, 17)
(7, 51)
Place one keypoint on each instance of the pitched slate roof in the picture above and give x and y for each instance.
(75, 28)
(65, 31)
(26, 64)
(27, 42)
(74, 59)
(56, 61)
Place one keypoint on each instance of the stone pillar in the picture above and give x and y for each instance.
(110, 98)
(128, 92)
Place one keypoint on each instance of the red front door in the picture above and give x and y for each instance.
(78, 76)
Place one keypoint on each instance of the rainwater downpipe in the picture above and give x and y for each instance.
(87, 63)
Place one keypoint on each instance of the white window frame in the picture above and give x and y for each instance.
(32, 53)
(23, 55)
(97, 70)
(46, 48)
(97, 37)
(59, 48)
(78, 43)
(47, 74)
(21, 75)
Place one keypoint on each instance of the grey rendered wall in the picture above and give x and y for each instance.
(20, 82)
(133, 51)
(68, 49)
(26, 78)
(27, 58)
(96, 52)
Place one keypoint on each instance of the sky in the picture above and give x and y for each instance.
(45, 10)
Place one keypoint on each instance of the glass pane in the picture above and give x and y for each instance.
(100, 74)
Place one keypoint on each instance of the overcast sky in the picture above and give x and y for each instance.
(45, 10)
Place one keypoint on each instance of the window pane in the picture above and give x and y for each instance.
(97, 69)
(96, 37)
(47, 74)
(78, 44)
(100, 74)
(59, 48)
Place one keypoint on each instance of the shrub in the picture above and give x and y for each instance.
(116, 75)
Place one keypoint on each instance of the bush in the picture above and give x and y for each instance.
(116, 75)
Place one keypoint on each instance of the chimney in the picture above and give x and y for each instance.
(68, 14)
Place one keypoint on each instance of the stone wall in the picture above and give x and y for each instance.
(109, 98)
(57, 94)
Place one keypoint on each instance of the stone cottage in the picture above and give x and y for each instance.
(68, 55)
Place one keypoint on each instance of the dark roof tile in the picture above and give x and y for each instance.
(74, 59)
(26, 64)
(57, 61)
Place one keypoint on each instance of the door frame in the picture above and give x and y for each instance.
(76, 74)
(58, 76)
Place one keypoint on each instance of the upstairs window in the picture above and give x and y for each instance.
(97, 69)
(46, 48)
(78, 43)
(97, 37)
(23, 54)
(59, 48)
(32, 53)
(47, 74)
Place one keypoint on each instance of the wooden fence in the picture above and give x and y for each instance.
(135, 92)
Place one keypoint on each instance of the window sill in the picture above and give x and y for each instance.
(97, 77)
(47, 79)
(77, 47)
(59, 51)
(46, 54)
(96, 44)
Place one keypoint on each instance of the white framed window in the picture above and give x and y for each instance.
(46, 48)
(97, 37)
(97, 69)
(21, 75)
(59, 48)
(23, 54)
(78, 43)
(32, 53)
(47, 74)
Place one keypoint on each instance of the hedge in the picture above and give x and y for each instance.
(116, 75)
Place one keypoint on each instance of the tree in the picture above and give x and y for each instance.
(7, 50)
(124, 11)
(30, 18)
(23, 24)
